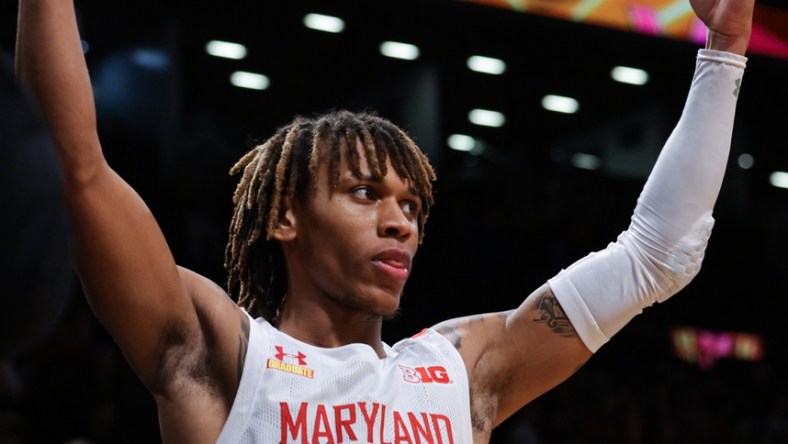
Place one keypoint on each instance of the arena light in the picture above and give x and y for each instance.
(151, 58)
(461, 142)
(325, 23)
(585, 161)
(249, 80)
(486, 65)
(227, 50)
(632, 76)
(486, 117)
(745, 161)
(399, 50)
(560, 104)
(779, 179)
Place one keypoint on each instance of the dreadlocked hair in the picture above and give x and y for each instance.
(284, 168)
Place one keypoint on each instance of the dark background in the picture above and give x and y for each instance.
(504, 222)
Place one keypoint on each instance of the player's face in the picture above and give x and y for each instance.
(355, 244)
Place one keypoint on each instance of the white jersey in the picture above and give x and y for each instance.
(294, 392)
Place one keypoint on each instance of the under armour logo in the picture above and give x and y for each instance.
(281, 355)
(738, 85)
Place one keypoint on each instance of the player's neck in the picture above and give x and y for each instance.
(331, 328)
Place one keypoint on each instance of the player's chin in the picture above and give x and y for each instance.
(392, 315)
(388, 303)
(378, 298)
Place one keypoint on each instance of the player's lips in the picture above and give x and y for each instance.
(393, 262)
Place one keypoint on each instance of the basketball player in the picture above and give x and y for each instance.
(329, 214)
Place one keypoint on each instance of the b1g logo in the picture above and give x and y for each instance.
(433, 374)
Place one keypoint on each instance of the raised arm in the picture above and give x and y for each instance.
(516, 356)
(127, 271)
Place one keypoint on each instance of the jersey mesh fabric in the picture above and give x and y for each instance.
(293, 392)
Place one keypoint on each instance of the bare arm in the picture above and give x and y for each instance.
(513, 357)
(122, 258)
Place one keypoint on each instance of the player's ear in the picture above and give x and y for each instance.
(285, 229)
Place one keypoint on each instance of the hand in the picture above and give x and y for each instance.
(729, 23)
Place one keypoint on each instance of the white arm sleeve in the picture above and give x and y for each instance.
(663, 247)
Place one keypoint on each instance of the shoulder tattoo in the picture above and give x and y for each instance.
(550, 313)
(452, 334)
(457, 330)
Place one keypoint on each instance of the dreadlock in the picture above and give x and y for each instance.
(285, 168)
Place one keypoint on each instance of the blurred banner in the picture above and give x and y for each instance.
(665, 18)
(705, 347)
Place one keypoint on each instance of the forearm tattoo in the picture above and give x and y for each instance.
(551, 314)
(243, 341)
